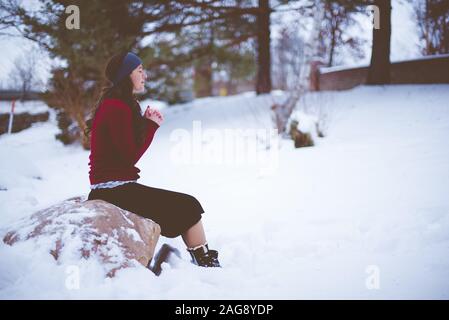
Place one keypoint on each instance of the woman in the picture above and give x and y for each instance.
(120, 135)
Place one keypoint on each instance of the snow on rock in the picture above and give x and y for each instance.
(306, 123)
(303, 128)
(76, 229)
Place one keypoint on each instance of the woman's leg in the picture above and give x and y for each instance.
(195, 240)
(194, 236)
(176, 213)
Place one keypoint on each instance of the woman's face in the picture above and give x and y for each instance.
(138, 77)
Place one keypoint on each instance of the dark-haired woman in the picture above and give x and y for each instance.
(120, 135)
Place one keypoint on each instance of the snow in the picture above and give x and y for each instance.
(133, 234)
(368, 199)
(306, 122)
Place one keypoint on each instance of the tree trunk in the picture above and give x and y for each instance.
(263, 84)
(203, 78)
(333, 43)
(379, 70)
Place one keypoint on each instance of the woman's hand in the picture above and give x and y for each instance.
(154, 115)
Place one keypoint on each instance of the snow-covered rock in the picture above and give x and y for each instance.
(306, 123)
(303, 128)
(75, 229)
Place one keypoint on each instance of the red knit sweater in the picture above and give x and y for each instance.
(114, 153)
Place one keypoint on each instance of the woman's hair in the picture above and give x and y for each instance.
(123, 91)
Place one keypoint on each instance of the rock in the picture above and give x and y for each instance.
(301, 139)
(75, 229)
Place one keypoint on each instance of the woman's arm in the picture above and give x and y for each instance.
(119, 122)
(151, 128)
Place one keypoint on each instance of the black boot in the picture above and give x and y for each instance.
(203, 257)
(163, 255)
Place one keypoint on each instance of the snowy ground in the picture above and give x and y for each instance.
(364, 214)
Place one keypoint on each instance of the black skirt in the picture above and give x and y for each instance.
(175, 212)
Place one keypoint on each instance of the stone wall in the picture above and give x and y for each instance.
(434, 69)
(21, 121)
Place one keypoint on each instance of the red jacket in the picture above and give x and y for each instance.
(114, 153)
